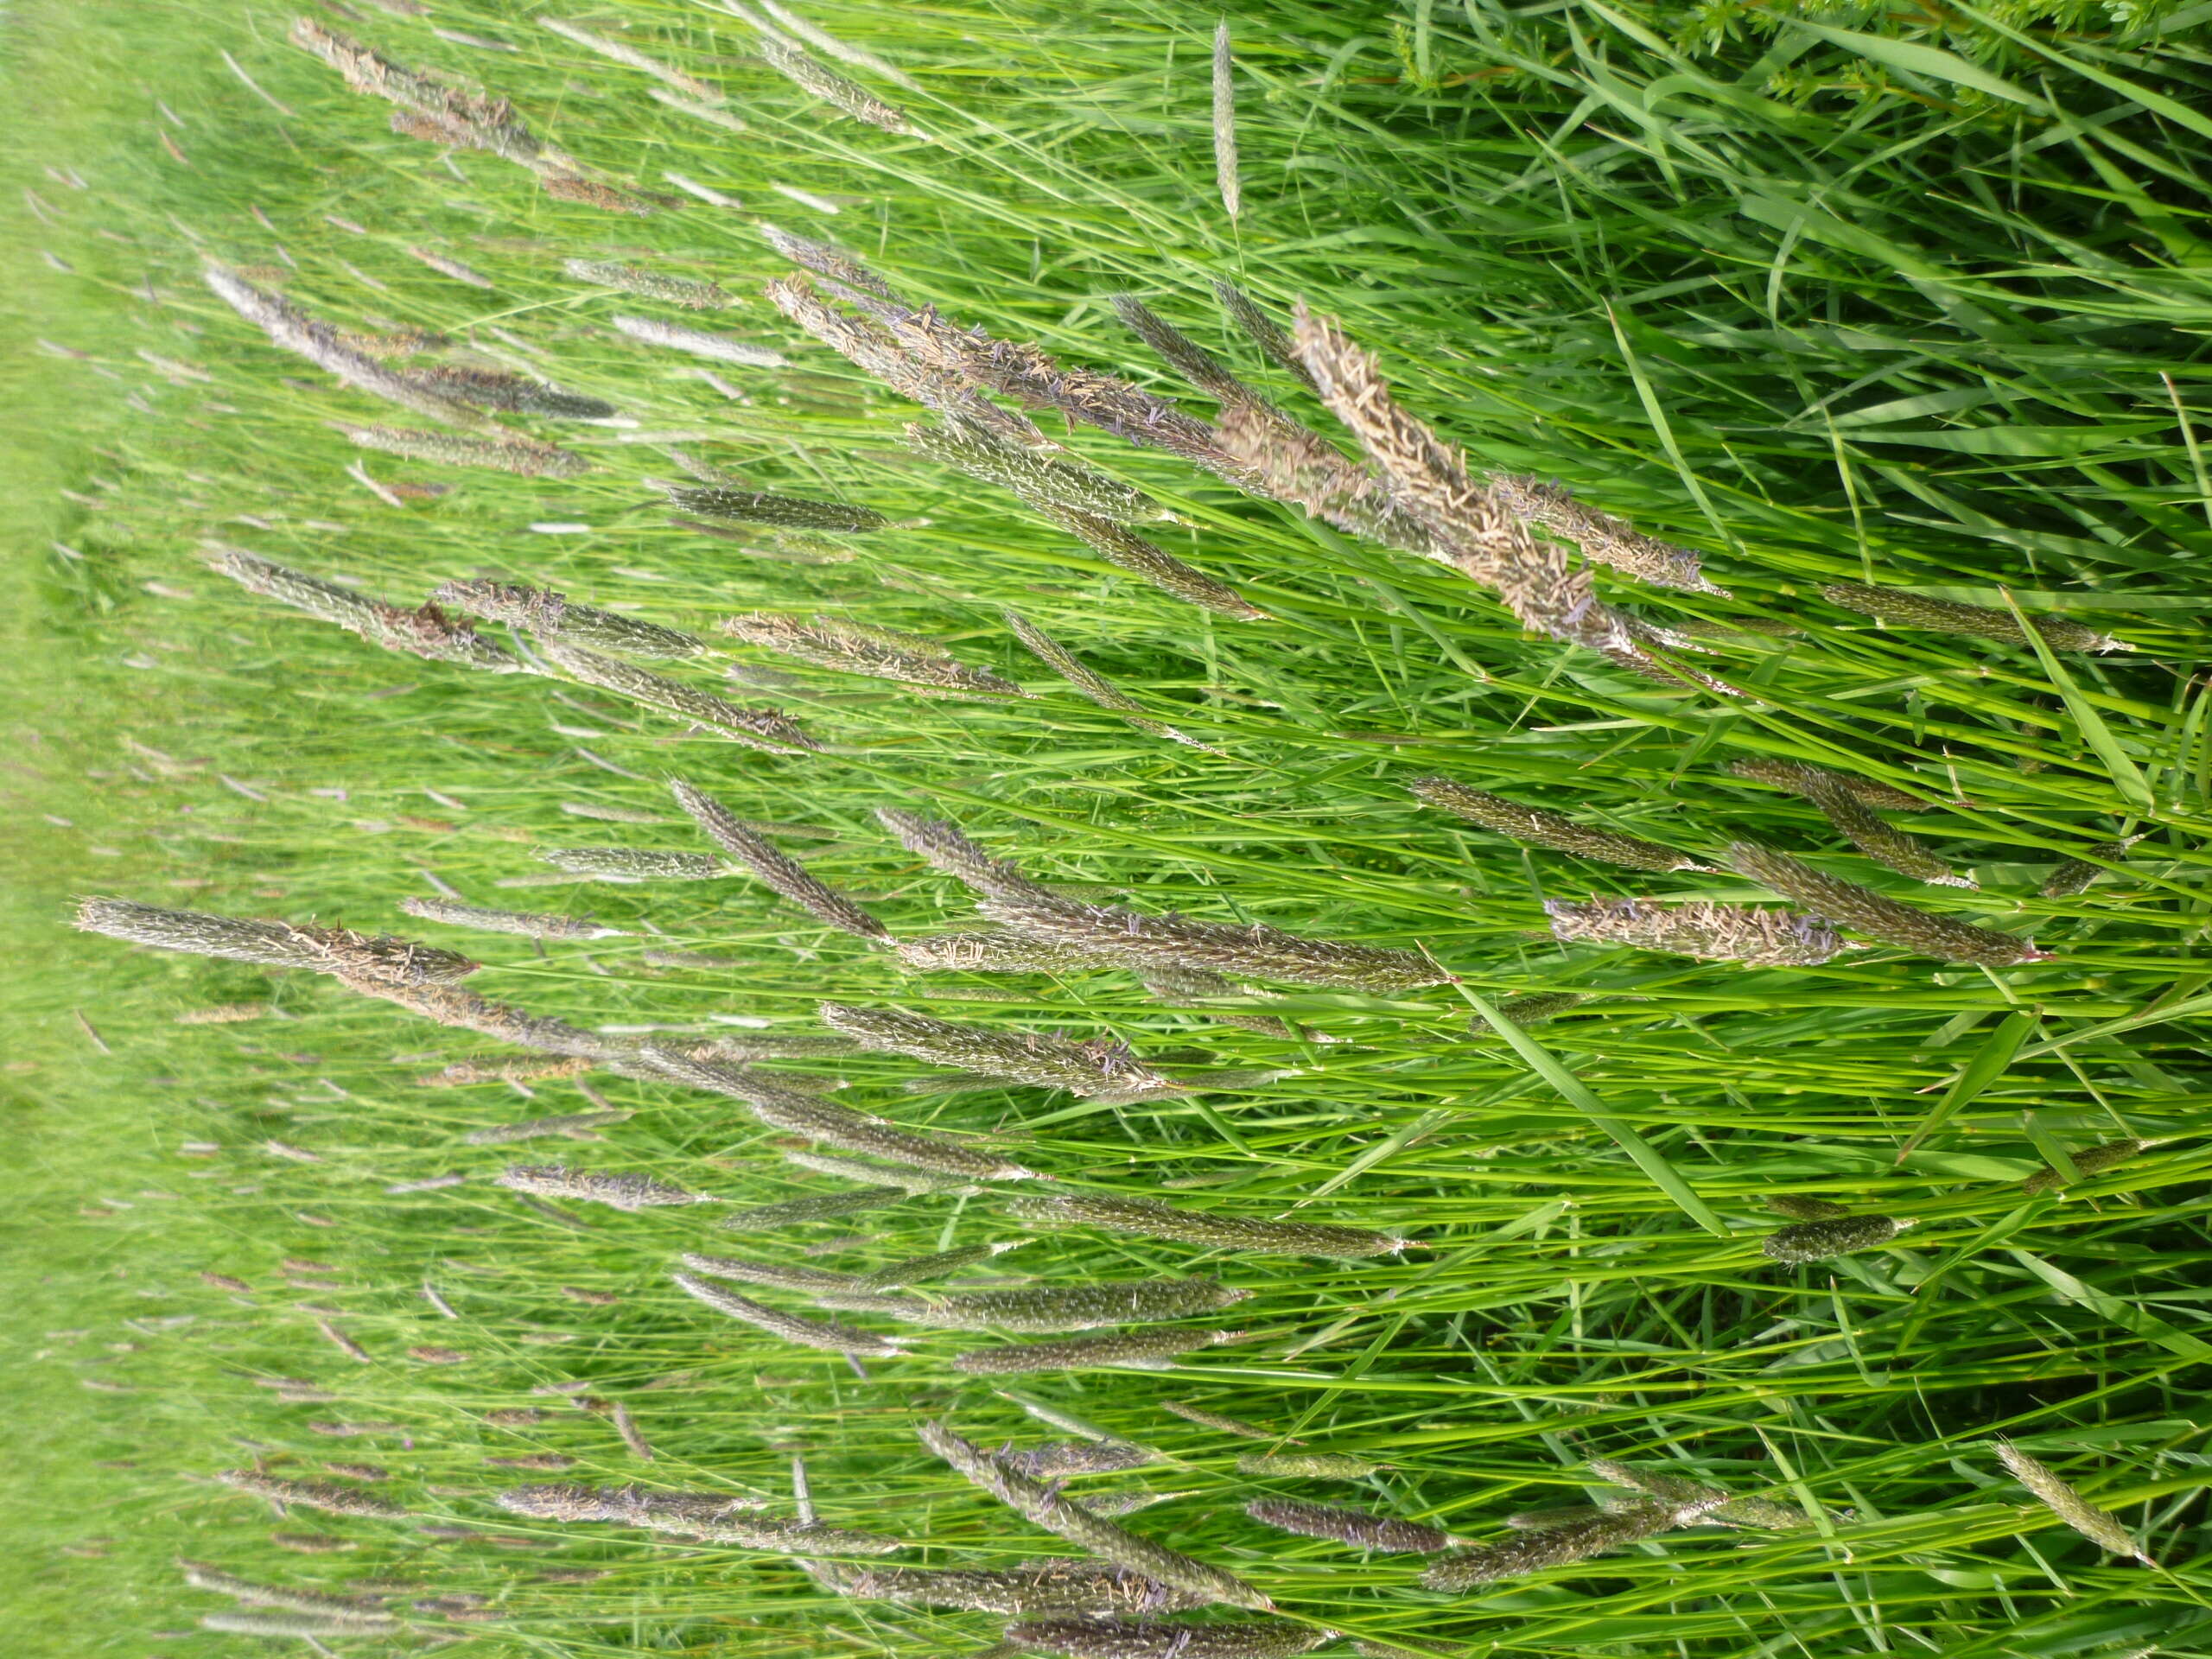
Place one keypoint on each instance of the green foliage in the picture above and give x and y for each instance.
(1909, 298)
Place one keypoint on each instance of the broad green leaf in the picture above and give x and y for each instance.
(1987, 1065)
(2094, 732)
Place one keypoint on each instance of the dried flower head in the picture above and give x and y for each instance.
(523, 924)
(1305, 1466)
(426, 633)
(792, 511)
(1347, 1526)
(759, 729)
(617, 1191)
(981, 449)
(1138, 1350)
(825, 1334)
(783, 875)
(1087, 1068)
(1816, 1241)
(1603, 538)
(723, 348)
(1030, 1588)
(1040, 1505)
(1850, 906)
(650, 284)
(430, 108)
(797, 1113)
(1117, 1638)
(878, 653)
(311, 1495)
(1147, 1218)
(2091, 1160)
(274, 945)
(634, 864)
(1471, 529)
(1540, 827)
(2076, 873)
(506, 453)
(1761, 938)
(1909, 610)
(2099, 1526)
(1046, 1309)
(550, 615)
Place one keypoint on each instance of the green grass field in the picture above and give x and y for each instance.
(1908, 299)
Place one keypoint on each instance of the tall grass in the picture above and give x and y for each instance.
(1823, 299)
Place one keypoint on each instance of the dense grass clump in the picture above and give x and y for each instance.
(1445, 757)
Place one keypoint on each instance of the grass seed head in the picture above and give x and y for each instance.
(1117, 1638)
(874, 653)
(351, 1622)
(2090, 1161)
(274, 945)
(1039, 1504)
(2076, 873)
(915, 1269)
(2099, 1527)
(426, 633)
(1603, 538)
(1047, 1309)
(634, 864)
(1224, 134)
(1801, 780)
(1532, 1010)
(1710, 932)
(1084, 1069)
(1532, 1552)
(1057, 1457)
(759, 729)
(1849, 905)
(981, 449)
(524, 925)
(550, 615)
(1305, 1466)
(706, 1516)
(507, 453)
(466, 1011)
(1890, 848)
(1796, 1206)
(1894, 604)
(780, 874)
(331, 1498)
(1064, 663)
(820, 1206)
(617, 1191)
(512, 394)
(819, 81)
(778, 1275)
(1348, 1526)
(789, 512)
(1028, 1589)
(1235, 1426)
(825, 1334)
(201, 1576)
(797, 1113)
(991, 953)
(1816, 1241)
(1124, 549)
(649, 285)
(699, 342)
(1135, 1350)
(1134, 940)
(1540, 827)
(1148, 1218)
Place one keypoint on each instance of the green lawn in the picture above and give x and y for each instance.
(1913, 301)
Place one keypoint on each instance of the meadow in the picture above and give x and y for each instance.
(1436, 760)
